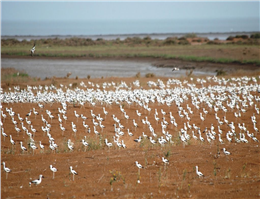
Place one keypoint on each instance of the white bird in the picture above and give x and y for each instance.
(129, 133)
(54, 170)
(84, 142)
(175, 68)
(11, 140)
(134, 123)
(198, 172)
(165, 160)
(7, 170)
(226, 152)
(38, 181)
(70, 145)
(41, 145)
(105, 112)
(22, 147)
(139, 165)
(138, 139)
(33, 50)
(3, 133)
(32, 145)
(109, 144)
(73, 172)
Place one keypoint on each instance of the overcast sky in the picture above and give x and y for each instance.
(63, 11)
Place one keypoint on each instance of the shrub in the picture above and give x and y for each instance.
(69, 74)
(170, 41)
(148, 75)
(184, 42)
(242, 36)
(230, 38)
(138, 75)
(255, 36)
(190, 35)
(220, 72)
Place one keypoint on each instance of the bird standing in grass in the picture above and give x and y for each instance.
(165, 160)
(33, 50)
(22, 147)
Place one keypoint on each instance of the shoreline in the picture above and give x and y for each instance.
(158, 62)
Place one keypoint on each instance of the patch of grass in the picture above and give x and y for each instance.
(133, 48)
(138, 75)
(93, 145)
(220, 72)
(116, 177)
(167, 154)
(228, 173)
(190, 35)
(12, 76)
(149, 75)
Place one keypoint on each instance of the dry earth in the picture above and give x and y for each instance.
(112, 173)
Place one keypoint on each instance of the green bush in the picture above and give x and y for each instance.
(242, 36)
(169, 41)
(255, 36)
(230, 38)
(184, 42)
(190, 35)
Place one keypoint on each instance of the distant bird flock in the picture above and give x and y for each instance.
(163, 114)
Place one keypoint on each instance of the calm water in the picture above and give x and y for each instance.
(82, 68)
(115, 27)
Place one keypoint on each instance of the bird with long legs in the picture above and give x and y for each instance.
(6, 169)
(73, 172)
(54, 170)
(198, 172)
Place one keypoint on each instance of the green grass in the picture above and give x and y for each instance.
(201, 53)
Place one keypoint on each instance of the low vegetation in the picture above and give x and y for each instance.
(188, 48)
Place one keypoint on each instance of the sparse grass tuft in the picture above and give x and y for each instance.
(149, 75)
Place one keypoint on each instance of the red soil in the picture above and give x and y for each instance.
(104, 173)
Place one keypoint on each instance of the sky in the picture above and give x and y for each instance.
(86, 10)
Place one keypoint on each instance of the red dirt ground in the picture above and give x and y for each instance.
(111, 173)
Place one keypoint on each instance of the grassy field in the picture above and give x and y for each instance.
(185, 49)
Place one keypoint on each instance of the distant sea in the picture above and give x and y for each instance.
(111, 29)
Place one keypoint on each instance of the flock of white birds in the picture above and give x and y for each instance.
(184, 101)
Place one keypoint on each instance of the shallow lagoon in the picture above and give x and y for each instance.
(43, 68)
